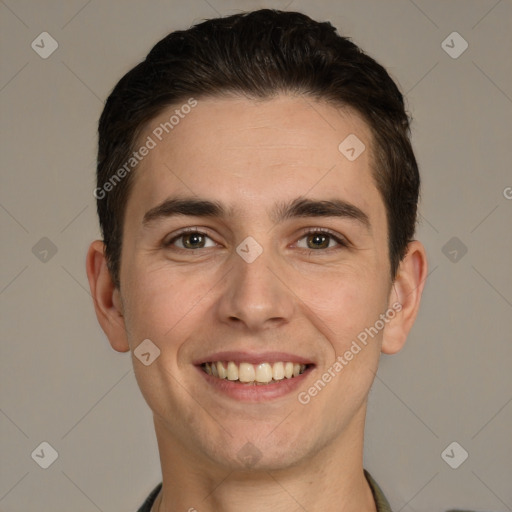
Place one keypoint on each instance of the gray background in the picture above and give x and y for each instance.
(63, 384)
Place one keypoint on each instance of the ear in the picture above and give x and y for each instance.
(406, 296)
(106, 297)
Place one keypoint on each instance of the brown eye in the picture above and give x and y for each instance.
(190, 240)
(320, 239)
(193, 241)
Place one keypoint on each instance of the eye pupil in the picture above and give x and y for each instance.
(319, 240)
(191, 240)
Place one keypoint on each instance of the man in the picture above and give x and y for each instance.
(257, 193)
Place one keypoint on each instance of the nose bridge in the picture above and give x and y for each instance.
(253, 294)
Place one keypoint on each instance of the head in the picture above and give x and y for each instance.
(247, 115)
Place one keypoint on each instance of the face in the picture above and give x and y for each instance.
(260, 278)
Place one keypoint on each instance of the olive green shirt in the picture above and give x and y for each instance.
(380, 500)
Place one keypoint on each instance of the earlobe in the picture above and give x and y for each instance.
(406, 290)
(106, 297)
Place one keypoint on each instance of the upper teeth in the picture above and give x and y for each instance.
(245, 372)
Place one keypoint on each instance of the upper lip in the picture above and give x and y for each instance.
(253, 357)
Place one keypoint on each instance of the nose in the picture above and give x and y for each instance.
(255, 294)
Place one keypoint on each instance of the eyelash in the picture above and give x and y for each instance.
(343, 243)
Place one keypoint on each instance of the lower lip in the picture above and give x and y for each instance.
(255, 392)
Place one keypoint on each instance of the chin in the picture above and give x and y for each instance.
(259, 454)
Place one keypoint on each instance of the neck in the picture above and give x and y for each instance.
(330, 480)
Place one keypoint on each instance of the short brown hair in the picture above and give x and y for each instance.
(258, 55)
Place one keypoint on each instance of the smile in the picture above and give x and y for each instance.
(255, 374)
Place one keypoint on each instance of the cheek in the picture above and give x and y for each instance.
(158, 300)
(343, 303)
(163, 308)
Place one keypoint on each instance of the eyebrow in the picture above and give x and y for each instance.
(299, 207)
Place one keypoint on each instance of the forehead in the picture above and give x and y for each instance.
(246, 153)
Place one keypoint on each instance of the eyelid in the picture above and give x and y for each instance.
(167, 242)
(340, 239)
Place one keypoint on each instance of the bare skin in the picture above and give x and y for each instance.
(310, 297)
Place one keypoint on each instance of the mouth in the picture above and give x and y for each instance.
(260, 374)
(254, 377)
